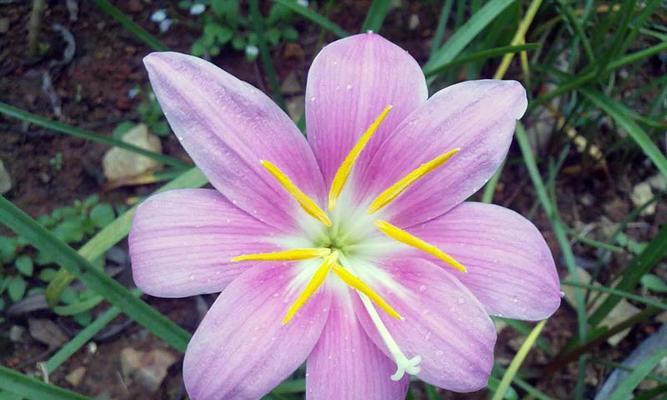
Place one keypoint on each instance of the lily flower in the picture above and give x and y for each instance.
(352, 249)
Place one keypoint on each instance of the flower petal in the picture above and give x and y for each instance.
(349, 84)
(242, 350)
(346, 364)
(227, 126)
(510, 267)
(182, 241)
(476, 116)
(443, 323)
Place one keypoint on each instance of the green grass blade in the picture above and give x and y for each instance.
(524, 329)
(569, 16)
(619, 293)
(114, 233)
(636, 56)
(311, 15)
(558, 228)
(528, 388)
(482, 55)
(78, 307)
(466, 33)
(519, 37)
(33, 389)
(83, 134)
(130, 25)
(291, 386)
(81, 338)
(257, 21)
(618, 112)
(640, 265)
(78, 341)
(440, 29)
(376, 15)
(625, 388)
(92, 277)
(517, 361)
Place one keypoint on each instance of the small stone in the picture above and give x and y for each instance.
(291, 85)
(296, 107)
(148, 369)
(5, 179)
(134, 6)
(75, 377)
(120, 164)
(658, 182)
(4, 25)
(413, 22)
(16, 333)
(130, 361)
(587, 199)
(293, 51)
(156, 364)
(641, 194)
(47, 332)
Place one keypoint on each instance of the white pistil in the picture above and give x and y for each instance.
(403, 364)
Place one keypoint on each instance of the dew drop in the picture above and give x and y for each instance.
(562, 294)
(348, 87)
(422, 288)
(312, 99)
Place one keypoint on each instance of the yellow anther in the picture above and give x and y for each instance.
(346, 167)
(286, 255)
(397, 188)
(347, 277)
(315, 282)
(402, 236)
(304, 201)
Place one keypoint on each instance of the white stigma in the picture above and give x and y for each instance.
(403, 364)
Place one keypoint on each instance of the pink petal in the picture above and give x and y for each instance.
(181, 242)
(242, 350)
(349, 84)
(476, 116)
(443, 323)
(346, 364)
(510, 267)
(227, 126)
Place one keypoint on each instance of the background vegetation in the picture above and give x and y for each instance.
(588, 166)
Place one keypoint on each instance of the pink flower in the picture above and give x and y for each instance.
(353, 249)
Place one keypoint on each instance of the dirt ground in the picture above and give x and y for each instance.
(94, 89)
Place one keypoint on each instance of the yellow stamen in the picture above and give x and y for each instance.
(397, 188)
(402, 236)
(316, 281)
(347, 277)
(346, 167)
(286, 255)
(306, 202)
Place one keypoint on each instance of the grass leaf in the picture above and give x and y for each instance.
(114, 233)
(484, 54)
(625, 388)
(465, 34)
(311, 15)
(83, 134)
(517, 361)
(130, 25)
(621, 115)
(94, 278)
(33, 389)
(376, 15)
(640, 265)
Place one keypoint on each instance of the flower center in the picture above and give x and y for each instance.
(348, 232)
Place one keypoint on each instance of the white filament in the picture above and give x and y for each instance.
(403, 364)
